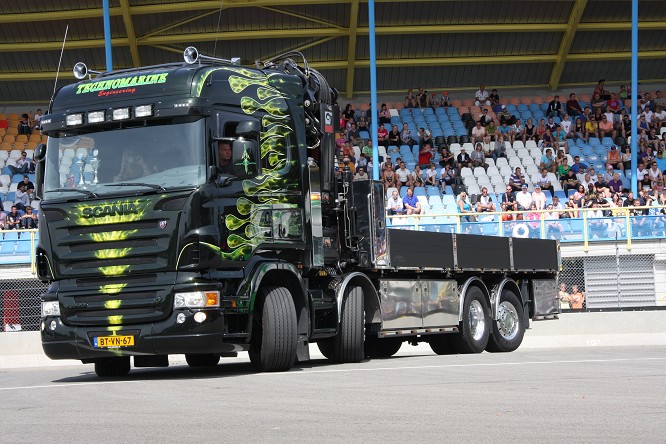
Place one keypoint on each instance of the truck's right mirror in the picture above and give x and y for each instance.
(245, 155)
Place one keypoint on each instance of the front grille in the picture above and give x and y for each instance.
(85, 263)
(112, 250)
(94, 246)
(94, 229)
(146, 279)
(117, 305)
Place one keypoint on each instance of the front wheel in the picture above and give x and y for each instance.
(509, 328)
(274, 332)
(112, 367)
(474, 329)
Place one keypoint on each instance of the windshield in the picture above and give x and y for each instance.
(122, 160)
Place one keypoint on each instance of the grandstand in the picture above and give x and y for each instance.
(529, 50)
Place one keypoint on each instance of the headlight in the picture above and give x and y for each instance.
(197, 299)
(50, 308)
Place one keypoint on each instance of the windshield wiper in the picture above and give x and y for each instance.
(137, 184)
(86, 192)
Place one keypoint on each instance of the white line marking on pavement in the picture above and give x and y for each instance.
(73, 384)
(348, 370)
(493, 364)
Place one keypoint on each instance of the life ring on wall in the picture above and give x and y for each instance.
(520, 230)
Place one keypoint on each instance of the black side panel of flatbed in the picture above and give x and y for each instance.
(421, 249)
(483, 252)
(424, 249)
(535, 254)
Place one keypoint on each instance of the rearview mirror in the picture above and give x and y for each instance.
(248, 128)
(40, 168)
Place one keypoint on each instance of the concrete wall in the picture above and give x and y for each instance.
(613, 329)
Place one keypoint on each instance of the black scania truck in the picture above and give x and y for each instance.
(195, 208)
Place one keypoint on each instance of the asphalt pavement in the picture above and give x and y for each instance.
(586, 394)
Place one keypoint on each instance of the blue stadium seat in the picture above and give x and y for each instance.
(607, 141)
(432, 191)
(419, 191)
(23, 246)
(594, 141)
(7, 247)
(364, 134)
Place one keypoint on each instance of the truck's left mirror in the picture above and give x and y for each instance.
(40, 168)
(245, 157)
(40, 152)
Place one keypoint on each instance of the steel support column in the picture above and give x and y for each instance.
(565, 44)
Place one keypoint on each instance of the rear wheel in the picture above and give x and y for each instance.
(509, 328)
(112, 367)
(202, 360)
(441, 344)
(474, 329)
(347, 345)
(274, 334)
(377, 348)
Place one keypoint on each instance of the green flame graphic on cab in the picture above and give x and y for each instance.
(248, 228)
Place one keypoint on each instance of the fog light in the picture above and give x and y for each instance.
(53, 325)
(180, 318)
(200, 317)
(42, 325)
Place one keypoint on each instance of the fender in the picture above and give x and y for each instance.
(251, 284)
(463, 291)
(370, 300)
(495, 293)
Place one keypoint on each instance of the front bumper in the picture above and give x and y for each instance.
(159, 338)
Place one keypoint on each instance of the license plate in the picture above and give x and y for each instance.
(113, 341)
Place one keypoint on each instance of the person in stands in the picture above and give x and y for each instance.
(29, 219)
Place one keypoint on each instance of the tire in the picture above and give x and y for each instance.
(205, 360)
(112, 367)
(508, 330)
(347, 345)
(326, 347)
(376, 348)
(274, 334)
(441, 344)
(474, 329)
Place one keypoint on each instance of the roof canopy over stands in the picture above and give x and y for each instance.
(439, 45)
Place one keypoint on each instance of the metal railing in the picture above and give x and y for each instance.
(576, 226)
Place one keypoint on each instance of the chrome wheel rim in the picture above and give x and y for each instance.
(477, 320)
(508, 322)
